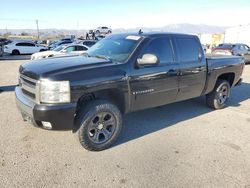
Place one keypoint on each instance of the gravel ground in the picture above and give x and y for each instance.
(185, 144)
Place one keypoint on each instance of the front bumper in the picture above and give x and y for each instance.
(60, 116)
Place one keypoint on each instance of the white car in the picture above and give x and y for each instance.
(73, 49)
(103, 30)
(23, 47)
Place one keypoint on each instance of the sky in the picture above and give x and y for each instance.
(89, 14)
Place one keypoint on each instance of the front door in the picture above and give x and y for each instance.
(155, 85)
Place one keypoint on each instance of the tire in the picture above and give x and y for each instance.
(15, 52)
(218, 98)
(100, 124)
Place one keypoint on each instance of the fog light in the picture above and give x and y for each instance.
(47, 125)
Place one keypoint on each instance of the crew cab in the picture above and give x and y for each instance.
(120, 74)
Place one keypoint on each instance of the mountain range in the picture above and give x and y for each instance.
(179, 28)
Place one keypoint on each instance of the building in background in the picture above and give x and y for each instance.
(239, 34)
(211, 40)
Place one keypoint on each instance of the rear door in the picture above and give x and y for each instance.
(32, 48)
(27, 48)
(192, 67)
(155, 85)
(22, 48)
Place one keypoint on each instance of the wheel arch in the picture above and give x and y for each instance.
(15, 50)
(112, 95)
(227, 76)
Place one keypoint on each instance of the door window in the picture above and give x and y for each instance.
(162, 48)
(81, 48)
(70, 49)
(188, 49)
(25, 44)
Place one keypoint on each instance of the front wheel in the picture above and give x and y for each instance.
(219, 96)
(100, 124)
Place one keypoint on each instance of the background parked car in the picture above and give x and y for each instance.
(88, 43)
(23, 47)
(74, 49)
(233, 49)
(103, 30)
(5, 41)
(59, 43)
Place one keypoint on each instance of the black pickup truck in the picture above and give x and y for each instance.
(120, 74)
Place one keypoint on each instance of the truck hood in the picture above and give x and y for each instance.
(44, 68)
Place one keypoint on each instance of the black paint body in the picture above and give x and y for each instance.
(130, 86)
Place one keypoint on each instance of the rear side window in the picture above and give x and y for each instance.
(24, 44)
(81, 48)
(162, 48)
(188, 49)
(89, 43)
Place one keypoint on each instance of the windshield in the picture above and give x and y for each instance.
(115, 48)
(57, 49)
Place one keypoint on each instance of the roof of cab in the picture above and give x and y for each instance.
(152, 34)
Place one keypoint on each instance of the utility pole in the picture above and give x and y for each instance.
(37, 27)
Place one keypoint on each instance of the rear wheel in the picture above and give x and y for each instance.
(15, 52)
(219, 96)
(100, 124)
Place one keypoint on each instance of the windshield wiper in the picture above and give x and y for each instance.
(99, 57)
(102, 57)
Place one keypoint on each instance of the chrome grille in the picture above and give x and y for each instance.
(29, 87)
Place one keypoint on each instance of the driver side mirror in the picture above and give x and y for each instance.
(63, 51)
(148, 59)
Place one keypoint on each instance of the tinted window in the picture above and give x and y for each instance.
(65, 42)
(162, 48)
(24, 44)
(225, 46)
(80, 48)
(89, 43)
(188, 49)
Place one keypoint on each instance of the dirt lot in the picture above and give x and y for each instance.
(179, 145)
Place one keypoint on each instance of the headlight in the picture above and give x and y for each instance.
(54, 91)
